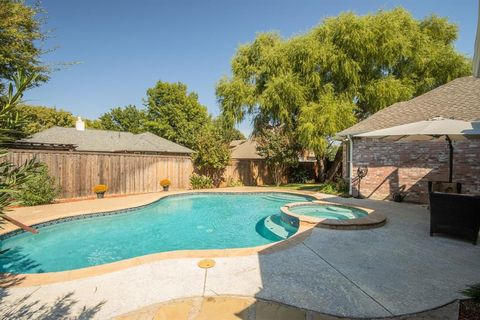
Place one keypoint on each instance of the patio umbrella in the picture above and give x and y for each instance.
(427, 130)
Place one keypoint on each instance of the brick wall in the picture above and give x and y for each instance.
(409, 165)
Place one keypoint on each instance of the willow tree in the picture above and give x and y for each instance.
(346, 68)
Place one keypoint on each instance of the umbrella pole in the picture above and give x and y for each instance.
(450, 160)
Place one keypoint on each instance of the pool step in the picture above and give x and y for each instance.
(274, 228)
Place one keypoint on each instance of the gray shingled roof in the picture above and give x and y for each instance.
(459, 100)
(244, 149)
(108, 141)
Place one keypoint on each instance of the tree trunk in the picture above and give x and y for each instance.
(335, 165)
(321, 168)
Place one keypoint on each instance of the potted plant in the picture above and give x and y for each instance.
(100, 190)
(165, 183)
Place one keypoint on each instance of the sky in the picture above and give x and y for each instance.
(119, 49)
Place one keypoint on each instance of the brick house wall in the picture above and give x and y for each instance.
(410, 165)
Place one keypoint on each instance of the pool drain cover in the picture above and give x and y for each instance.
(206, 263)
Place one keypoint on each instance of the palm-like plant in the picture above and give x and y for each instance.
(11, 176)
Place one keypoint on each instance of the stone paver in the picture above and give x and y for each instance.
(245, 308)
(393, 270)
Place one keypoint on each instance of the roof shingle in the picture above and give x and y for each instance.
(458, 99)
(108, 141)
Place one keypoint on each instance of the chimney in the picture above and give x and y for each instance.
(476, 53)
(80, 125)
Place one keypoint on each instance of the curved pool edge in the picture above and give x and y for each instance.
(374, 219)
(36, 279)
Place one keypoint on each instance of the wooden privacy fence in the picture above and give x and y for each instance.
(78, 172)
(255, 172)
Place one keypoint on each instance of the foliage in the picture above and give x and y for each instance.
(100, 188)
(129, 119)
(213, 153)
(38, 118)
(175, 114)
(298, 175)
(346, 68)
(279, 151)
(339, 187)
(165, 182)
(12, 177)
(227, 130)
(473, 291)
(233, 183)
(20, 36)
(39, 188)
(198, 181)
(318, 121)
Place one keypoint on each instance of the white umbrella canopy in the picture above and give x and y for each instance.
(428, 130)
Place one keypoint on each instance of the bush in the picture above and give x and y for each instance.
(198, 181)
(473, 291)
(233, 183)
(39, 189)
(298, 175)
(335, 187)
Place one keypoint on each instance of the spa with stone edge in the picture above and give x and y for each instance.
(330, 215)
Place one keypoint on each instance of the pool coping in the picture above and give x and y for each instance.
(35, 279)
(374, 219)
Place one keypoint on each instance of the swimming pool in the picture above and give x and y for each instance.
(191, 221)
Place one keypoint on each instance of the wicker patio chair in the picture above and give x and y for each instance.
(444, 186)
(455, 214)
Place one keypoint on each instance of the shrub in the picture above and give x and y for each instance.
(335, 187)
(233, 183)
(165, 183)
(39, 189)
(473, 291)
(298, 175)
(100, 188)
(198, 181)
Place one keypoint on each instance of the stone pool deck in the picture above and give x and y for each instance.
(392, 270)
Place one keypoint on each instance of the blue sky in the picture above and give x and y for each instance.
(124, 47)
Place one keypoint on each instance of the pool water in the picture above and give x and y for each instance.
(327, 211)
(180, 222)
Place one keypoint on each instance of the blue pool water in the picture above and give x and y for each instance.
(327, 211)
(182, 222)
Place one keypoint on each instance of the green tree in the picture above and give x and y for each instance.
(175, 114)
(227, 130)
(12, 177)
(355, 64)
(20, 36)
(128, 119)
(38, 118)
(279, 151)
(318, 121)
(213, 153)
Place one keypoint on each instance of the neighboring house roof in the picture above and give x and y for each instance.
(244, 149)
(107, 141)
(235, 143)
(458, 99)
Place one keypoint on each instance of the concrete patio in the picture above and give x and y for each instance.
(393, 270)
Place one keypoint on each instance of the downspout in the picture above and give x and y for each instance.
(350, 164)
